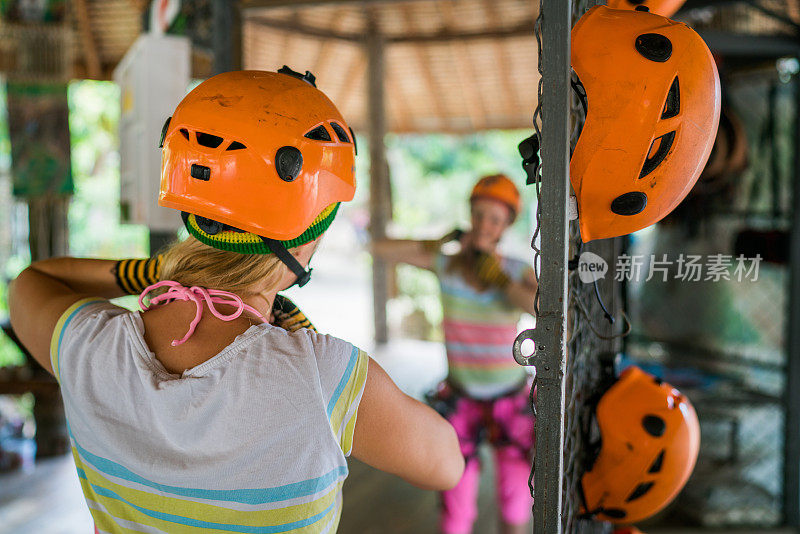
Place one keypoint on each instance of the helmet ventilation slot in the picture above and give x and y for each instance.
(659, 149)
(614, 513)
(320, 133)
(185, 133)
(654, 425)
(236, 145)
(208, 140)
(640, 491)
(673, 104)
(655, 467)
(340, 133)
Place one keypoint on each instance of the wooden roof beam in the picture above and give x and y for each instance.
(511, 102)
(139, 5)
(325, 53)
(520, 30)
(424, 65)
(355, 73)
(397, 102)
(305, 29)
(466, 74)
(90, 54)
(261, 4)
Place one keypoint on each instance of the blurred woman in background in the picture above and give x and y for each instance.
(486, 393)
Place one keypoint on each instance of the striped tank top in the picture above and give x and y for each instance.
(253, 440)
(479, 331)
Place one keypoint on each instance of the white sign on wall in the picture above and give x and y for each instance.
(153, 77)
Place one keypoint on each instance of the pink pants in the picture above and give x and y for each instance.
(512, 439)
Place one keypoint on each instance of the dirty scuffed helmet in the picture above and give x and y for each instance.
(653, 97)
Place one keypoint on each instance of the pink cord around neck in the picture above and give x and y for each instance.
(197, 295)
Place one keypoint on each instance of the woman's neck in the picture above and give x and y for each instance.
(262, 302)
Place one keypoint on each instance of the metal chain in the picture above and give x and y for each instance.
(537, 121)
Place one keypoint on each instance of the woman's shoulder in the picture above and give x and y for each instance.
(319, 343)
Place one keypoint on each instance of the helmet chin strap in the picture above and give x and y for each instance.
(213, 227)
(277, 248)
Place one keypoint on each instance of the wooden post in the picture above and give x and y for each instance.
(227, 35)
(47, 221)
(379, 171)
(38, 119)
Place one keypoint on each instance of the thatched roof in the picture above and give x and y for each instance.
(450, 65)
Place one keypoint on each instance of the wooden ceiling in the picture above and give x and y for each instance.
(450, 66)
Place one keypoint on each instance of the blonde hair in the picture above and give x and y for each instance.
(192, 263)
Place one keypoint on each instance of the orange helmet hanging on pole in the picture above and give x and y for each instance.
(665, 8)
(650, 438)
(498, 187)
(258, 162)
(653, 108)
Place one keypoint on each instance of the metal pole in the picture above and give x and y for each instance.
(378, 170)
(549, 335)
(791, 457)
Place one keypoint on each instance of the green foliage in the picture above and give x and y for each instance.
(94, 224)
(5, 143)
(432, 176)
(9, 353)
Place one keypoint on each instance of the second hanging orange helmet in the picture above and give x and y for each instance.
(650, 439)
(665, 8)
(653, 108)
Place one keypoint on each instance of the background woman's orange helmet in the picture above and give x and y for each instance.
(498, 187)
(650, 438)
(262, 152)
(653, 108)
(665, 8)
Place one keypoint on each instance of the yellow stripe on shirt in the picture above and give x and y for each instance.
(61, 324)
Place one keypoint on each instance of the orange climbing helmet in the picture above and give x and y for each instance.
(257, 162)
(665, 8)
(650, 438)
(262, 152)
(653, 96)
(498, 187)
